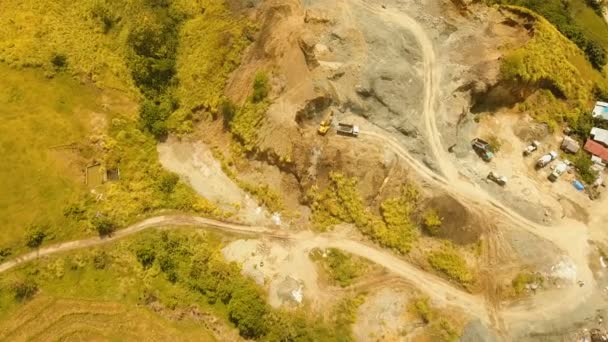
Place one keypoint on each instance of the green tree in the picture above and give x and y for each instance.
(261, 87)
(583, 164)
(146, 255)
(167, 182)
(104, 225)
(247, 310)
(596, 54)
(35, 235)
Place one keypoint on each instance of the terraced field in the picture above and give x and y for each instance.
(47, 318)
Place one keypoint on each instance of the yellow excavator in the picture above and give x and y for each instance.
(326, 123)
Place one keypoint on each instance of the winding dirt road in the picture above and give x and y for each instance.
(440, 289)
(570, 236)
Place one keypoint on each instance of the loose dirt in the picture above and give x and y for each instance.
(195, 163)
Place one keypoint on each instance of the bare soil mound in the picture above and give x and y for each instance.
(459, 225)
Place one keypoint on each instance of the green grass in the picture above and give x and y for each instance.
(36, 181)
(593, 25)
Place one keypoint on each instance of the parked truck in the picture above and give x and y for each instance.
(559, 170)
(531, 148)
(496, 178)
(546, 159)
(483, 149)
(348, 129)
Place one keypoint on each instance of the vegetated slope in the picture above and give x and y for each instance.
(175, 55)
(181, 273)
(575, 19)
(47, 318)
(551, 75)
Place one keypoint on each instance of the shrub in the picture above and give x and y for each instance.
(35, 235)
(105, 17)
(261, 87)
(431, 221)
(5, 253)
(583, 165)
(421, 308)
(24, 289)
(522, 279)
(167, 182)
(342, 268)
(104, 225)
(59, 61)
(443, 330)
(449, 262)
(596, 54)
(228, 110)
(100, 260)
(246, 310)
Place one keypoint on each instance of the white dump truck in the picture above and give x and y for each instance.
(546, 159)
(496, 178)
(348, 129)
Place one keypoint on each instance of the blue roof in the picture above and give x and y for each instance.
(578, 185)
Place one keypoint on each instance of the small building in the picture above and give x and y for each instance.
(600, 110)
(600, 135)
(597, 149)
(570, 145)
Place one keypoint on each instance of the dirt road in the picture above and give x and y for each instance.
(570, 236)
(440, 289)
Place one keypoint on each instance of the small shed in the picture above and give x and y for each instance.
(600, 110)
(570, 145)
(600, 135)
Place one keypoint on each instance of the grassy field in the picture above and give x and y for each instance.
(590, 22)
(37, 181)
(47, 318)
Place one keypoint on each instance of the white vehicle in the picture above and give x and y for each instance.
(546, 159)
(558, 170)
(348, 129)
(500, 180)
(531, 148)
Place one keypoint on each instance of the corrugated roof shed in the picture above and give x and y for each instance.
(570, 145)
(600, 135)
(597, 149)
(601, 110)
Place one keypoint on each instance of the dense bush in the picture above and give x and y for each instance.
(583, 164)
(342, 268)
(341, 202)
(35, 235)
(449, 262)
(24, 289)
(261, 87)
(431, 222)
(103, 225)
